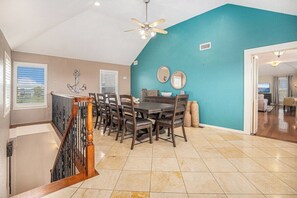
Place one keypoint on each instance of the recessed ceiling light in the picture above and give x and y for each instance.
(97, 3)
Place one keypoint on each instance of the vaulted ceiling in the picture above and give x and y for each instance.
(78, 29)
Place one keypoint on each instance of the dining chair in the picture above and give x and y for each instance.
(116, 118)
(95, 108)
(174, 119)
(104, 111)
(131, 121)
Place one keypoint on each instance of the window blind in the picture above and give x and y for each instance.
(109, 81)
(30, 86)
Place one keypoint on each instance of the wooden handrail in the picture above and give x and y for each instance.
(54, 186)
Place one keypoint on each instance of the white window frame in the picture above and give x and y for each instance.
(28, 106)
(109, 71)
(7, 86)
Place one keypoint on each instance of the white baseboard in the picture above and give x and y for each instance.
(223, 128)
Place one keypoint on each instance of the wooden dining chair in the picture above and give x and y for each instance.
(96, 111)
(131, 121)
(116, 118)
(104, 111)
(174, 119)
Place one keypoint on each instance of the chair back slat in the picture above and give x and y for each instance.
(128, 108)
(102, 101)
(179, 110)
(113, 105)
(94, 102)
(180, 107)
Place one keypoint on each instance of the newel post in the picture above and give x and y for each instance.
(90, 154)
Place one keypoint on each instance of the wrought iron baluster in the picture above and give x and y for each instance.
(75, 145)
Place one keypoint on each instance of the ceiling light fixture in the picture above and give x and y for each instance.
(275, 63)
(148, 30)
(97, 3)
(278, 53)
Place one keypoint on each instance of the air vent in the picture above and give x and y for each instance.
(205, 46)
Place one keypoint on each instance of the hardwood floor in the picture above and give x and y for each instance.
(278, 124)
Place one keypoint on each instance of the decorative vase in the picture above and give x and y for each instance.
(195, 114)
(188, 116)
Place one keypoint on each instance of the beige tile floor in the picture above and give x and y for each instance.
(213, 163)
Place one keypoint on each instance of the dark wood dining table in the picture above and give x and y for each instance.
(151, 108)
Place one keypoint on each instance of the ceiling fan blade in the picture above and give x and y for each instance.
(137, 22)
(159, 31)
(154, 24)
(132, 30)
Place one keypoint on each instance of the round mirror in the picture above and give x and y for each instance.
(178, 80)
(163, 74)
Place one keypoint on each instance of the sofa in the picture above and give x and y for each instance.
(289, 102)
(262, 103)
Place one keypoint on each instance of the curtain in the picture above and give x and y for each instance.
(275, 90)
(290, 86)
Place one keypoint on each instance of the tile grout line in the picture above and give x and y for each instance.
(241, 173)
(121, 170)
(151, 172)
(79, 187)
(211, 172)
(181, 171)
(284, 181)
(238, 171)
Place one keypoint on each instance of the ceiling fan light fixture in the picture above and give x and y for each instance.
(141, 32)
(148, 30)
(153, 34)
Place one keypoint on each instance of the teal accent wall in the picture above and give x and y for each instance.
(215, 77)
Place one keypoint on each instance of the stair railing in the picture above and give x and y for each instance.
(73, 120)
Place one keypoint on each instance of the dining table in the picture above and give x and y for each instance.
(151, 110)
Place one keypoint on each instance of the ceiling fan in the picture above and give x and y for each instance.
(146, 29)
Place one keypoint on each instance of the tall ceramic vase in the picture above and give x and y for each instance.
(195, 114)
(188, 117)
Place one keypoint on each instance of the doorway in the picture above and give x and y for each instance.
(251, 83)
(277, 71)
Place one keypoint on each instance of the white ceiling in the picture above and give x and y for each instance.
(287, 66)
(77, 29)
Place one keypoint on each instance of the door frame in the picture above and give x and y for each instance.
(249, 118)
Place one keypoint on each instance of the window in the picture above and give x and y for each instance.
(30, 85)
(7, 85)
(108, 81)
